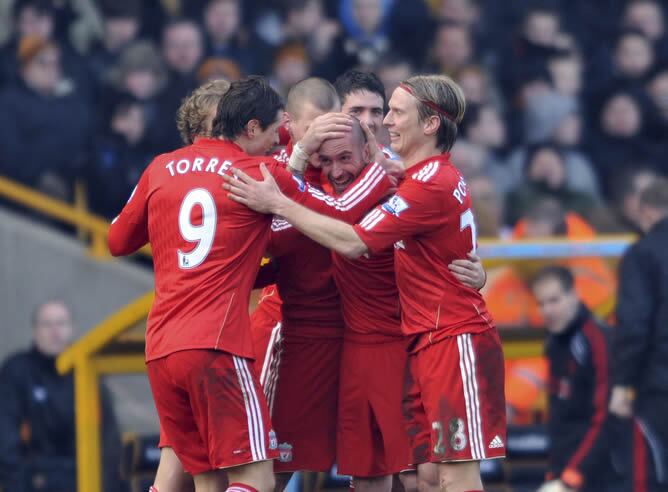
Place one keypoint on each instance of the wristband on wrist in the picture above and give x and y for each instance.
(298, 159)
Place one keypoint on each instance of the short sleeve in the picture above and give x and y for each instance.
(414, 209)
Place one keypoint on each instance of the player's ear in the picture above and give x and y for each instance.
(366, 152)
(252, 128)
(431, 125)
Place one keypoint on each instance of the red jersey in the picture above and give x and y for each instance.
(310, 296)
(206, 247)
(311, 303)
(430, 222)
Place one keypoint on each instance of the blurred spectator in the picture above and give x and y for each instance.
(392, 70)
(477, 85)
(290, 66)
(141, 73)
(625, 190)
(364, 41)
(452, 49)
(648, 17)
(37, 450)
(566, 72)
(120, 155)
(121, 22)
(555, 118)
(618, 137)
(182, 50)
(545, 172)
(640, 356)
(37, 18)
(227, 38)
(304, 21)
(539, 38)
(488, 206)
(657, 90)
(578, 351)
(633, 58)
(470, 159)
(218, 68)
(44, 127)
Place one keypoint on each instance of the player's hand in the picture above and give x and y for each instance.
(392, 167)
(469, 272)
(621, 401)
(325, 127)
(554, 486)
(261, 196)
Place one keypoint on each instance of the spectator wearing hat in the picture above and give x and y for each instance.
(141, 73)
(44, 126)
(121, 21)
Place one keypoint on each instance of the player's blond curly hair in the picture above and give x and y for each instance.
(197, 110)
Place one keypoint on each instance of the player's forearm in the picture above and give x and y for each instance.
(124, 239)
(331, 233)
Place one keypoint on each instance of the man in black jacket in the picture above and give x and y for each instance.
(37, 434)
(640, 362)
(577, 351)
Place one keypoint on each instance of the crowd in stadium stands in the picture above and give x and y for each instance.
(566, 107)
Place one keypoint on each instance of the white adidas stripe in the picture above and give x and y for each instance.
(370, 217)
(374, 222)
(269, 355)
(476, 399)
(370, 174)
(280, 225)
(471, 400)
(467, 395)
(253, 413)
(353, 200)
(427, 176)
(418, 175)
(273, 375)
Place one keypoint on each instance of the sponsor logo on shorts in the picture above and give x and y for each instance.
(285, 452)
(273, 442)
(458, 439)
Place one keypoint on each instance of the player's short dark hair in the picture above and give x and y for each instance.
(557, 272)
(356, 80)
(251, 98)
(656, 195)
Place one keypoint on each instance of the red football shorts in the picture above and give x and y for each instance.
(371, 437)
(302, 393)
(454, 404)
(212, 410)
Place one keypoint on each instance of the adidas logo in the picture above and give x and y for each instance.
(496, 443)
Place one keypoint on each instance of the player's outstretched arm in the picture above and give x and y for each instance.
(266, 197)
(129, 231)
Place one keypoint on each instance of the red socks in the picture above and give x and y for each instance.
(240, 487)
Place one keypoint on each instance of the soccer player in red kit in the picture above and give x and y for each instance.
(206, 253)
(454, 402)
(372, 444)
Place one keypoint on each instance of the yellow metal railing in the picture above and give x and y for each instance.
(87, 224)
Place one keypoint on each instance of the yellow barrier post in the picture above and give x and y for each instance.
(87, 398)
